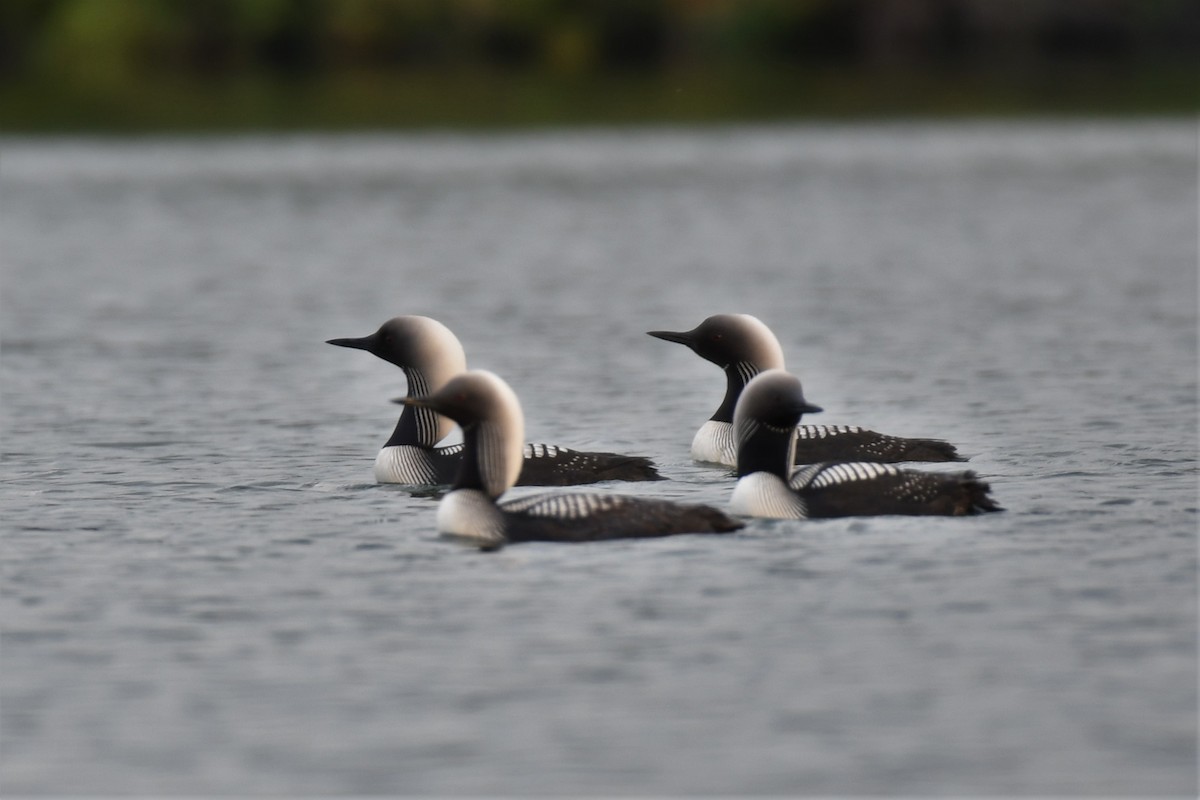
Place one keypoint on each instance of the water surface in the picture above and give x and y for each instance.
(204, 591)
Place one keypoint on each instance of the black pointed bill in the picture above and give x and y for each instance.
(679, 337)
(415, 402)
(362, 343)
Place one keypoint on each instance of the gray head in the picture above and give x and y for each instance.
(430, 354)
(488, 411)
(731, 339)
(414, 342)
(739, 344)
(764, 422)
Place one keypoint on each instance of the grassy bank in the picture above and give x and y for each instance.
(489, 99)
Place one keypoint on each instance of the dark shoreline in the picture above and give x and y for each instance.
(483, 100)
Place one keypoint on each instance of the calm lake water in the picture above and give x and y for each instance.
(204, 591)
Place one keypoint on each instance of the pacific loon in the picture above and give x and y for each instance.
(769, 409)
(493, 427)
(430, 355)
(743, 346)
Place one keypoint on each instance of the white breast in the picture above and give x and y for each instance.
(470, 515)
(714, 444)
(762, 494)
(405, 464)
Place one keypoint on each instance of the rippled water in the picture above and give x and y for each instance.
(204, 592)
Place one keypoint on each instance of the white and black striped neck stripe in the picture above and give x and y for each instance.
(426, 419)
(416, 426)
(737, 375)
(746, 370)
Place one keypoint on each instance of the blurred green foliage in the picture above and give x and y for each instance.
(212, 64)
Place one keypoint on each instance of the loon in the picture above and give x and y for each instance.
(493, 428)
(767, 412)
(743, 346)
(430, 355)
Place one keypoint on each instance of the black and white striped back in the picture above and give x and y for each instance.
(587, 517)
(869, 489)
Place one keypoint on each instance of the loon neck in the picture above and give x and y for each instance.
(737, 375)
(422, 427)
(764, 448)
(483, 465)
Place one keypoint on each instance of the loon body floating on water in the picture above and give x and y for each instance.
(430, 355)
(767, 412)
(493, 428)
(743, 347)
